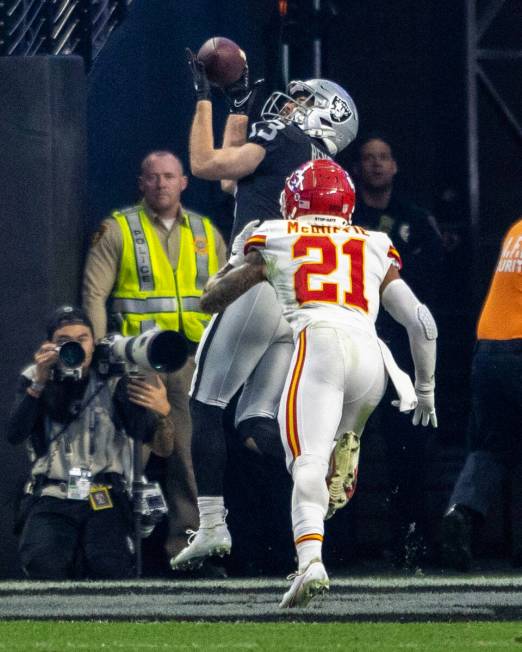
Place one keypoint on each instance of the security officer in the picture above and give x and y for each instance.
(495, 447)
(147, 267)
(415, 233)
(75, 518)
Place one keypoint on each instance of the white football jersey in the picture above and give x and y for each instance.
(324, 270)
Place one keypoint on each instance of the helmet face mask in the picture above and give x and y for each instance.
(319, 187)
(319, 107)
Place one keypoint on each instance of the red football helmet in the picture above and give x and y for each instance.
(319, 187)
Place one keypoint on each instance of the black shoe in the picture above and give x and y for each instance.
(457, 529)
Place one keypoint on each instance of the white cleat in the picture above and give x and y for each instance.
(308, 583)
(343, 477)
(205, 542)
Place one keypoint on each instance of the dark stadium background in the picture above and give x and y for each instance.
(404, 63)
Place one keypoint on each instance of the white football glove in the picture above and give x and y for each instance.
(237, 255)
(425, 410)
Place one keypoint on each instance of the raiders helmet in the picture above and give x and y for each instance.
(320, 187)
(321, 108)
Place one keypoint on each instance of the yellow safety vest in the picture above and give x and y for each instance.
(148, 293)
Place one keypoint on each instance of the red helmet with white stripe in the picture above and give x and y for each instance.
(319, 187)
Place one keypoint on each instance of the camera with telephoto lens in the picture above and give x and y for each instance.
(71, 357)
(153, 351)
(148, 500)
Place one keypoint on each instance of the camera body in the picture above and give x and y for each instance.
(71, 357)
(154, 351)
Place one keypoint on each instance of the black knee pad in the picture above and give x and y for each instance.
(265, 433)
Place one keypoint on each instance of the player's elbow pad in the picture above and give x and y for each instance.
(398, 299)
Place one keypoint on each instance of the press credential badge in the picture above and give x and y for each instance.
(79, 484)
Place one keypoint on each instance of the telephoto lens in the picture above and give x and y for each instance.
(154, 350)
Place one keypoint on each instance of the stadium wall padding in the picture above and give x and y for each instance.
(42, 179)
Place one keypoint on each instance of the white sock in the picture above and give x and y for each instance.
(309, 503)
(211, 511)
(308, 527)
(308, 551)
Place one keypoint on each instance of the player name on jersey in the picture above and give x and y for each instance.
(323, 229)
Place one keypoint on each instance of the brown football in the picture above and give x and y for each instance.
(223, 59)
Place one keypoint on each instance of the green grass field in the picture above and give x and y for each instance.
(60, 636)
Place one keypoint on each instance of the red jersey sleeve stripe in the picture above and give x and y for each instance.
(393, 253)
(254, 241)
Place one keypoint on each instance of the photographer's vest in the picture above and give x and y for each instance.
(148, 293)
(90, 441)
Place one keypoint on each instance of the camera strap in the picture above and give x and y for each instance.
(84, 405)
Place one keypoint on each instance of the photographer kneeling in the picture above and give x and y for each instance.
(75, 518)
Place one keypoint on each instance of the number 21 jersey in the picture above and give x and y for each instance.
(324, 270)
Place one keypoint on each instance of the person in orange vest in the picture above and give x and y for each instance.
(146, 268)
(496, 405)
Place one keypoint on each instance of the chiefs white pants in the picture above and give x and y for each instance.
(336, 379)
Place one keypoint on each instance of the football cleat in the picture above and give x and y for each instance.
(342, 478)
(203, 543)
(308, 583)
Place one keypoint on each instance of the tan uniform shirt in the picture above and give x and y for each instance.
(103, 261)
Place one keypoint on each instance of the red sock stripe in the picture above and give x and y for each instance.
(292, 433)
(309, 537)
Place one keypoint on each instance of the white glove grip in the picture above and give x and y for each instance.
(237, 254)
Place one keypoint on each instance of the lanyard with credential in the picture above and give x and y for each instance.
(64, 429)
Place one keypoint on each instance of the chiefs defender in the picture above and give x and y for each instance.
(330, 278)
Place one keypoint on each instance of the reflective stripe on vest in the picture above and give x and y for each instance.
(199, 235)
(141, 250)
(155, 304)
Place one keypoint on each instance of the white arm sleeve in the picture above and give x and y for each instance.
(399, 300)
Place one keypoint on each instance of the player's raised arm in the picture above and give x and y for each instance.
(207, 161)
(402, 304)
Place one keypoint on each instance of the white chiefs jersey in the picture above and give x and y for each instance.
(324, 270)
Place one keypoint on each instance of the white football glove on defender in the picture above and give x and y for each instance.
(237, 254)
(425, 410)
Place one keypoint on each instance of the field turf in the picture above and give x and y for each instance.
(59, 636)
(448, 613)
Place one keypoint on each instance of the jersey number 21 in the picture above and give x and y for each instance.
(329, 292)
